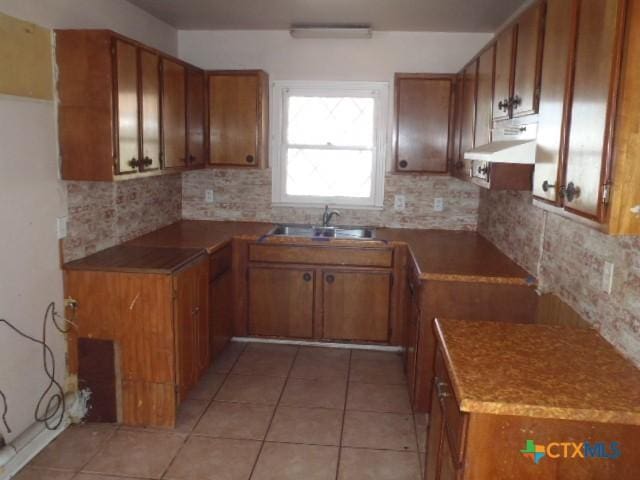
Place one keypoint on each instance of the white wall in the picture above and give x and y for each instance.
(285, 58)
(117, 15)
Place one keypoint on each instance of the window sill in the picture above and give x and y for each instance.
(320, 206)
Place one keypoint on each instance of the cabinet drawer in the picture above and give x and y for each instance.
(454, 419)
(220, 262)
(349, 256)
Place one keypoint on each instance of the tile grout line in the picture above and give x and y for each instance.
(100, 449)
(344, 414)
(190, 432)
(273, 415)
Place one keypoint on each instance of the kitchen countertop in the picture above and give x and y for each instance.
(543, 371)
(134, 259)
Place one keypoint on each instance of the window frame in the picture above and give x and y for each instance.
(281, 90)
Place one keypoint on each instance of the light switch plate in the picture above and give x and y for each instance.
(208, 196)
(607, 277)
(399, 203)
(438, 204)
(61, 227)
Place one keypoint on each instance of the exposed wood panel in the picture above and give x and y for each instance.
(503, 74)
(423, 112)
(553, 311)
(126, 65)
(150, 109)
(484, 112)
(356, 305)
(174, 114)
(195, 117)
(97, 373)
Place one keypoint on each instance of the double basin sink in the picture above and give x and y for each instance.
(323, 232)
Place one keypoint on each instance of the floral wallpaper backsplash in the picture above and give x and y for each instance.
(103, 214)
(568, 259)
(246, 195)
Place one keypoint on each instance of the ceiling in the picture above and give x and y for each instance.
(401, 15)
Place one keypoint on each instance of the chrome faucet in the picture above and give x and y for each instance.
(328, 215)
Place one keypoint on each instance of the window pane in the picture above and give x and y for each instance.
(329, 173)
(338, 121)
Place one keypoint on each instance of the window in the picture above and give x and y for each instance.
(328, 143)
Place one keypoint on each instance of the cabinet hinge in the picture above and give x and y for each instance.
(606, 193)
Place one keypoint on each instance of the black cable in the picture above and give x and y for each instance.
(55, 406)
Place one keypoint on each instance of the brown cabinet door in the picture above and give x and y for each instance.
(234, 119)
(281, 302)
(423, 113)
(150, 109)
(435, 437)
(411, 347)
(186, 327)
(174, 129)
(484, 112)
(201, 318)
(526, 76)
(594, 89)
(355, 305)
(221, 312)
(503, 74)
(195, 117)
(554, 98)
(468, 118)
(126, 65)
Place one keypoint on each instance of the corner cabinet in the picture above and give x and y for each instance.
(424, 109)
(238, 118)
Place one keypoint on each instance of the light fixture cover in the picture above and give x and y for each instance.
(331, 31)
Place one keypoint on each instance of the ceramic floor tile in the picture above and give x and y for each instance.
(285, 461)
(31, 473)
(323, 353)
(236, 420)
(251, 389)
(363, 464)
(207, 386)
(189, 412)
(378, 398)
(136, 453)
(263, 363)
(320, 366)
(324, 393)
(204, 458)
(384, 431)
(375, 356)
(74, 447)
(313, 426)
(228, 357)
(422, 423)
(275, 348)
(385, 371)
(93, 476)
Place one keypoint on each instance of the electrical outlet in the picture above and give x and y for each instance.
(438, 204)
(208, 196)
(607, 277)
(61, 227)
(399, 203)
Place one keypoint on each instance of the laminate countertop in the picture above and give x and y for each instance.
(542, 371)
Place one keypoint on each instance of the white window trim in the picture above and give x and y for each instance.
(279, 91)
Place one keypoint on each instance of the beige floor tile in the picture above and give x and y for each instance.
(263, 363)
(31, 473)
(325, 393)
(315, 366)
(378, 398)
(261, 390)
(204, 458)
(236, 420)
(228, 357)
(136, 453)
(286, 350)
(93, 476)
(313, 426)
(189, 413)
(207, 386)
(363, 464)
(384, 431)
(286, 461)
(323, 353)
(422, 423)
(376, 356)
(385, 371)
(74, 447)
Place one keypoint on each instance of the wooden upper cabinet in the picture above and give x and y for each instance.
(594, 92)
(150, 109)
(528, 58)
(238, 118)
(503, 74)
(195, 117)
(174, 114)
(126, 62)
(554, 99)
(423, 115)
(484, 104)
(467, 118)
(356, 305)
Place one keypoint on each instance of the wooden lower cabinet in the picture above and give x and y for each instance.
(159, 326)
(281, 301)
(221, 298)
(355, 305)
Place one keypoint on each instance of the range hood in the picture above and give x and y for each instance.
(511, 144)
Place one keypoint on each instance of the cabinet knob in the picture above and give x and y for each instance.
(330, 278)
(403, 164)
(306, 277)
(249, 158)
(192, 159)
(515, 101)
(146, 161)
(546, 186)
(134, 163)
(503, 104)
(571, 192)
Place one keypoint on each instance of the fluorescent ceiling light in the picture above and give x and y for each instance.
(329, 31)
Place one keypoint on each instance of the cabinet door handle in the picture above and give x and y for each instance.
(571, 192)
(440, 388)
(515, 101)
(249, 158)
(546, 186)
(403, 164)
(306, 277)
(146, 161)
(330, 278)
(134, 163)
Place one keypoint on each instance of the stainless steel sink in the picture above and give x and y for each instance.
(323, 232)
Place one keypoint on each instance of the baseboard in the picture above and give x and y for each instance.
(310, 343)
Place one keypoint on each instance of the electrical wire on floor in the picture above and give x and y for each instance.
(50, 413)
